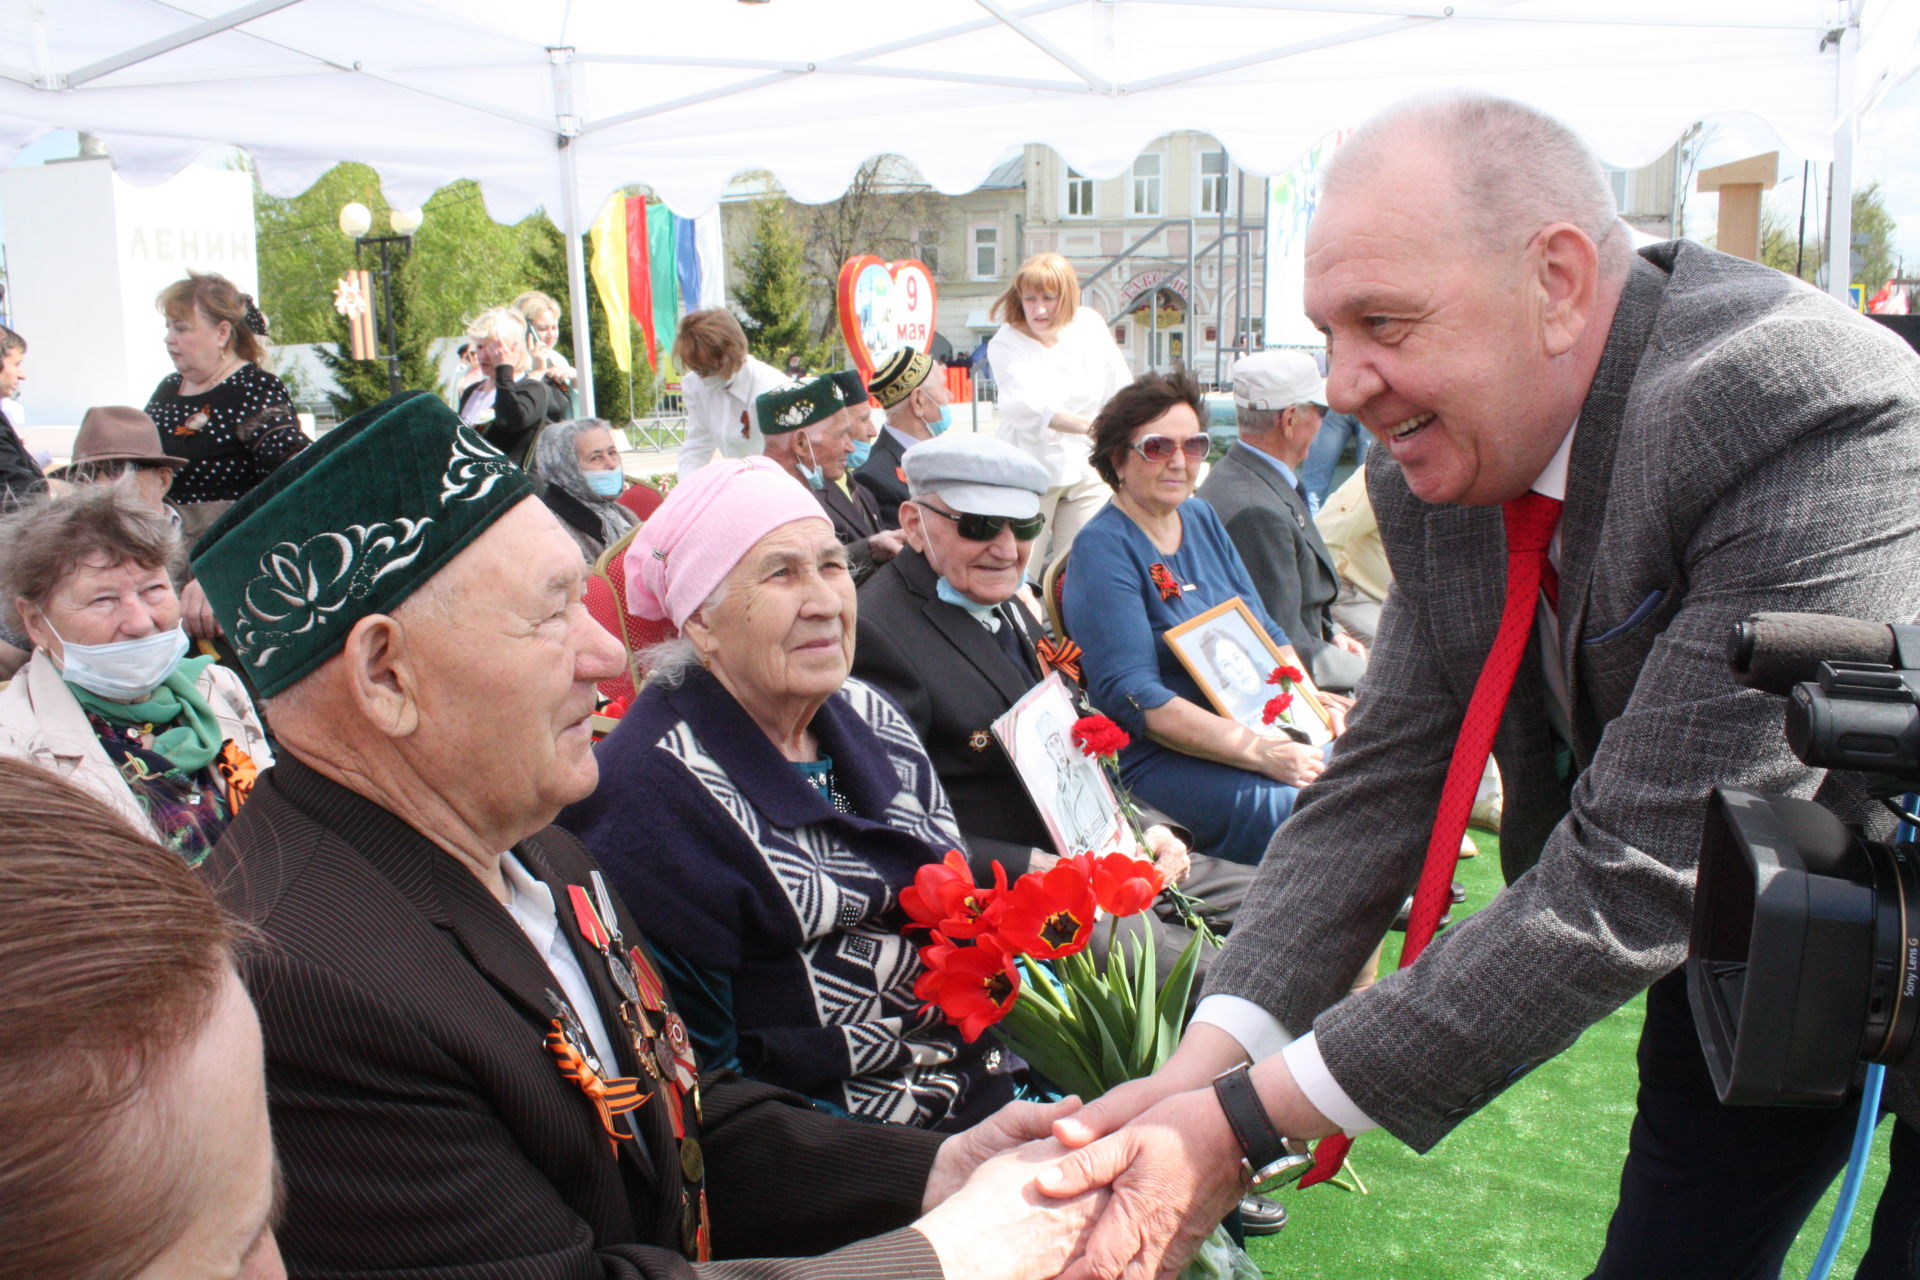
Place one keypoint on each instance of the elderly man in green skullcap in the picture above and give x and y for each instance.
(808, 432)
(473, 1065)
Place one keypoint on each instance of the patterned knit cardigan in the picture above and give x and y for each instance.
(777, 917)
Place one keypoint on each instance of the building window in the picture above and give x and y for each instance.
(1079, 195)
(926, 247)
(1216, 183)
(986, 252)
(1146, 186)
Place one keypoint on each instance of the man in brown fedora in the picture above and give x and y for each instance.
(115, 439)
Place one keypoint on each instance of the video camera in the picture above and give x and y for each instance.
(1805, 956)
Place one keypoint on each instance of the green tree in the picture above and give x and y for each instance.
(364, 383)
(1873, 228)
(774, 287)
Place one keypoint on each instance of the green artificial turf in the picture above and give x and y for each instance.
(1523, 1189)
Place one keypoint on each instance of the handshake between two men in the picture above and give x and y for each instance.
(1127, 1187)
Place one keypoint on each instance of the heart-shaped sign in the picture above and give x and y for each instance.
(884, 306)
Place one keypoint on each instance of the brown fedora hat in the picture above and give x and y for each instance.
(117, 433)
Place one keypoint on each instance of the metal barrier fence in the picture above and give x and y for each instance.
(660, 434)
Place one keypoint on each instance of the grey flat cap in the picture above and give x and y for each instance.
(973, 473)
(1278, 380)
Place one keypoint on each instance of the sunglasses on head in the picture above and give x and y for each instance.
(978, 528)
(1160, 448)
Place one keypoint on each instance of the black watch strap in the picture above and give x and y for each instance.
(1259, 1141)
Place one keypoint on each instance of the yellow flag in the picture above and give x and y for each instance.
(607, 264)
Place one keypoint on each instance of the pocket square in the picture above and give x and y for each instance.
(1639, 615)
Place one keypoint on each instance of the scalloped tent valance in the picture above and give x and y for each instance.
(559, 102)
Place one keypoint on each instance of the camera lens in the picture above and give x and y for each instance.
(1893, 1010)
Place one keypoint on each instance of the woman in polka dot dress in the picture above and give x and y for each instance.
(222, 414)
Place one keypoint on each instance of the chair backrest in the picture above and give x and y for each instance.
(1052, 582)
(639, 634)
(641, 499)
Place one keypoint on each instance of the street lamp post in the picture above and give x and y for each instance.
(355, 221)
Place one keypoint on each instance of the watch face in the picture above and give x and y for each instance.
(1286, 1169)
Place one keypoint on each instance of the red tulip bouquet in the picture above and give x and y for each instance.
(1015, 958)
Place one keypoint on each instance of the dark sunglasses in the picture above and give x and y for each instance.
(978, 528)
(1160, 448)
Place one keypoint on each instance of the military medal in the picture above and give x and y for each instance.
(979, 740)
(612, 1096)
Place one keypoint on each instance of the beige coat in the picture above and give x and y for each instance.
(42, 722)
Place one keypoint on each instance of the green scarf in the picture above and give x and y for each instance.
(185, 731)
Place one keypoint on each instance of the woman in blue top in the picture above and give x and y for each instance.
(1154, 558)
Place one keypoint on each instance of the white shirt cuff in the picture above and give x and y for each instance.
(1310, 1072)
(1259, 1032)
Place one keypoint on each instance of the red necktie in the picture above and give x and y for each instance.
(1530, 519)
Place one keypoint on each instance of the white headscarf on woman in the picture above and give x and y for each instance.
(557, 463)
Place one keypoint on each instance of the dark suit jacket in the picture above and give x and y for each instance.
(423, 1126)
(1287, 559)
(856, 517)
(20, 475)
(952, 680)
(879, 475)
(1745, 445)
(950, 677)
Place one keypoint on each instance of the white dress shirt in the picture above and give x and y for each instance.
(1077, 374)
(720, 418)
(1258, 1032)
(530, 902)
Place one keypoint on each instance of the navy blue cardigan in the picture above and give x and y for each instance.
(778, 918)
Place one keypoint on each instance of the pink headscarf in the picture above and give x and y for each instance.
(706, 527)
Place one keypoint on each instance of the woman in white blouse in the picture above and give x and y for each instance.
(1055, 365)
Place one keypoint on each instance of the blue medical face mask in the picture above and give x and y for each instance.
(861, 448)
(605, 484)
(810, 471)
(942, 422)
(125, 670)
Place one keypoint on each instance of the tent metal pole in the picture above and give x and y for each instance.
(167, 43)
(1840, 187)
(567, 124)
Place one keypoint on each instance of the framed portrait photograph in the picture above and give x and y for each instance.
(1069, 789)
(1230, 656)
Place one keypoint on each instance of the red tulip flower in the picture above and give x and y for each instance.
(1124, 886)
(973, 986)
(1276, 707)
(1099, 736)
(943, 897)
(1049, 915)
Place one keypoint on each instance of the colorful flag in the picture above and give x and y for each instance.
(607, 264)
(639, 276)
(666, 284)
(687, 256)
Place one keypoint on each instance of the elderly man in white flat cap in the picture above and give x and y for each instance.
(1279, 397)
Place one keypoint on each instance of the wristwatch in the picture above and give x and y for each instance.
(1267, 1160)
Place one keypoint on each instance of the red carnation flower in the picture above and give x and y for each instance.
(1049, 915)
(944, 898)
(1276, 707)
(1286, 675)
(973, 986)
(1126, 886)
(1099, 736)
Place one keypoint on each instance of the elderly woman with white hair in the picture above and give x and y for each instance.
(577, 463)
(511, 406)
(761, 812)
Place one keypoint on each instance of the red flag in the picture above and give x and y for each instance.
(640, 275)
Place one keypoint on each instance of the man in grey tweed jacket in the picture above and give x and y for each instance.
(1726, 440)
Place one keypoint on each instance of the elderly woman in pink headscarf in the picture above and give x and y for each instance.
(760, 812)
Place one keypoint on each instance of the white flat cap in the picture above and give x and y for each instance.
(1278, 380)
(984, 475)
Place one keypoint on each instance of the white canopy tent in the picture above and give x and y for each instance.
(558, 102)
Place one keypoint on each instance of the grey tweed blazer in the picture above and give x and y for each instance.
(1747, 444)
